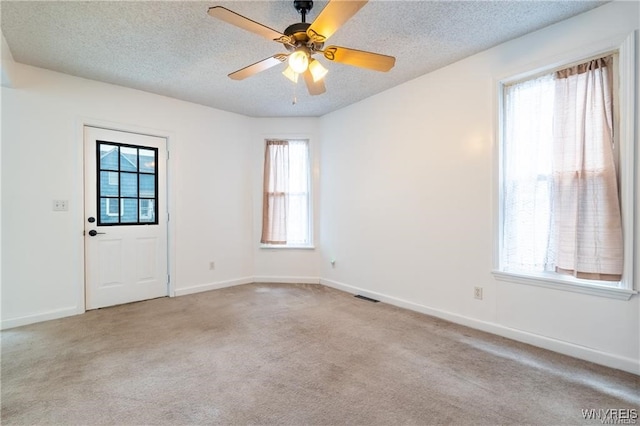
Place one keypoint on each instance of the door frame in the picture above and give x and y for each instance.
(83, 122)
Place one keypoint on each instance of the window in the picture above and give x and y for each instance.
(286, 219)
(561, 210)
(127, 184)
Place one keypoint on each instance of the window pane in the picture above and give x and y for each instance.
(147, 210)
(298, 219)
(527, 174)
(147, 161)
(298, 212)
(109, 210)
(108, 157)
(108, 184)
(529, 127)
(129, 182)
(128, 159)
(298, 167)
(147, 186)
(130, 210)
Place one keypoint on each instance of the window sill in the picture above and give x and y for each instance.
(278, 247)
(566, 284)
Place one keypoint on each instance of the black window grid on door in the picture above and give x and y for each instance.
(127, 184)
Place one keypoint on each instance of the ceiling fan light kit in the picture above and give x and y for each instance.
(304, 40)
(291, 74)
(317, 70)
(299, 60)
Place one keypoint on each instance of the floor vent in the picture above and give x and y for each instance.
(368, 299)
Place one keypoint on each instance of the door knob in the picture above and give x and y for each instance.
(93, 232)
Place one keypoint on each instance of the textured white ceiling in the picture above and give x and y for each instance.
(175, 49)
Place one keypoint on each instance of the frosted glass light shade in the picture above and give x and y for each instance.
(299, 61)
(290, 74)
(317, 70)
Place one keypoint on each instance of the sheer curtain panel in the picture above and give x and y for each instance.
(275, 201)
(528, 136)
(587, 220)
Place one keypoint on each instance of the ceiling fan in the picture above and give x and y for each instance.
(304, 40)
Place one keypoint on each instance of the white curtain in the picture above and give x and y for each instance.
(587, 222)
(275, 197)
(527, 175)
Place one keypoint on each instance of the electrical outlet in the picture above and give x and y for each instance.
(60, 205)
(212, 265)
(477, 293)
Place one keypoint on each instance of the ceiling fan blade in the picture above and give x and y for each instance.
(332, 17)
(247, 24)
(359, 58)
(260, 66)
(315, 88)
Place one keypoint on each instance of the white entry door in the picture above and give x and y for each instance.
(125, 217)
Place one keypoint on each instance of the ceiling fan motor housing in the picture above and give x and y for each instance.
(298, 33)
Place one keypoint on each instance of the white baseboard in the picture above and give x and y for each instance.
(67, 312)
(603, 358)
(212, 286)
(43, 316)
(581, 352)
(286, 280)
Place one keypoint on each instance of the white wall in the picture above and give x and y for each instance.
(284, 265)
(407, 202)
(6, 64)
(42, 250)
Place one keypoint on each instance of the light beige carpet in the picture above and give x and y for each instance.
(289, 354)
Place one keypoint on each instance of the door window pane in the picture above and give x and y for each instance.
(129, 185)
(109, 184)
(147, 210)
(109, 210)
(147, 186)
(127, 190)
(129, 210)
(147, 161)
(129, 159)
(108, 155)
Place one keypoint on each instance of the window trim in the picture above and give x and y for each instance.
(310, 191)
(566, 283)
(625, 48)
(286, 247)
